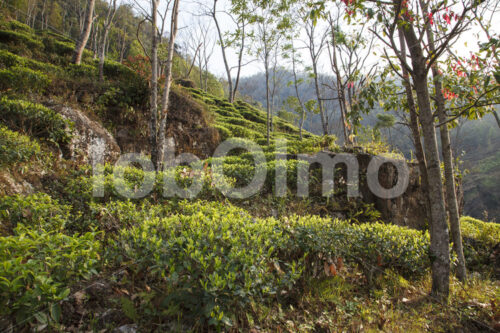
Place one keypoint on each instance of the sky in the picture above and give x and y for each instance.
(192, 14)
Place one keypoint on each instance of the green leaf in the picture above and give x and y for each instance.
(55, 312)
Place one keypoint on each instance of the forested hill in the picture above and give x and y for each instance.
(475, 143)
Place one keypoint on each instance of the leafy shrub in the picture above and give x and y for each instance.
(223, 132)
(21, 27)
(8, 59)
(81, 71)
(37, 211)
(20, 38)
(117, 71)
(243, 132)
(479, 240)
(64, 48)
(21, 79)
(212, 261)
(36, 270)
(484, 232)
(16, 148)
(35, 120)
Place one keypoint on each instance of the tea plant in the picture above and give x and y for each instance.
(35, 120)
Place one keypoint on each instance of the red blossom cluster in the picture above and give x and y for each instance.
(349, 2)
(140, 64)
(449, 95)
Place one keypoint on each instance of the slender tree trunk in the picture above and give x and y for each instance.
(497, 118)
(318, 96)
(153, 125)
(296, 85)
(340, 88)
(415, 128)
(268, 106)
(107, 26)
(168, 83)
(190, 69)
(240, 60)
(440, 251)
(223, 49)
(123, 47)
(449, 174)
(84, 37)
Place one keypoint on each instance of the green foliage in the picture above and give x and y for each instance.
(115, 70)
(487, 233)
(58, 47)
(223, 132)
(20, 38)
(21, 79)
(16, 148)
(479, 240)
(20, 27)
(37, 269)
(35, 120)
(81, 71)
(212, 261)
(37, 212)
(8, 59)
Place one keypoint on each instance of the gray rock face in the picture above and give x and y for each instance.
(91, 141)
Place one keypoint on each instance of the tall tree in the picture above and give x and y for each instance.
(104, 38)
(449, 173)
(84, 36)
(168, 83)
(315, 45)
(153, 124)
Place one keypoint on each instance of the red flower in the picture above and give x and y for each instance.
(431, 20)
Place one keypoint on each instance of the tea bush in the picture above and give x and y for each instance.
(479, 240)
(8, 59)
(20, 27)
(16, 148)
(37, 212)
(81, 71)
(212, 261)
(211, 264)
(20, 38)
(21, 80)
(37, 270)
(35, 120)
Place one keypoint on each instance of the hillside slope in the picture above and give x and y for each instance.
(77, 255)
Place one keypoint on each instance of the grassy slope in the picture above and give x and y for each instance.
(85, 239)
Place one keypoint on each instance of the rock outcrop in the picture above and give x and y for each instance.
(405, 210)
(91, 141)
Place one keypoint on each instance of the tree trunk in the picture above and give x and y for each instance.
(168, 84)
(84, 37)
(268, 106)
(340, 88)
(223, 49)
(153, 125)
(449, 174)
(415, 127)
(440, 251)
(296, 85)
(240, 60)
(107, 26)
(497, 118)
(318, 95)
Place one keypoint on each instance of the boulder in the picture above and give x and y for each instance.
(91, 141)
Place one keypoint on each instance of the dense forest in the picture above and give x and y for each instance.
(249, 166)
